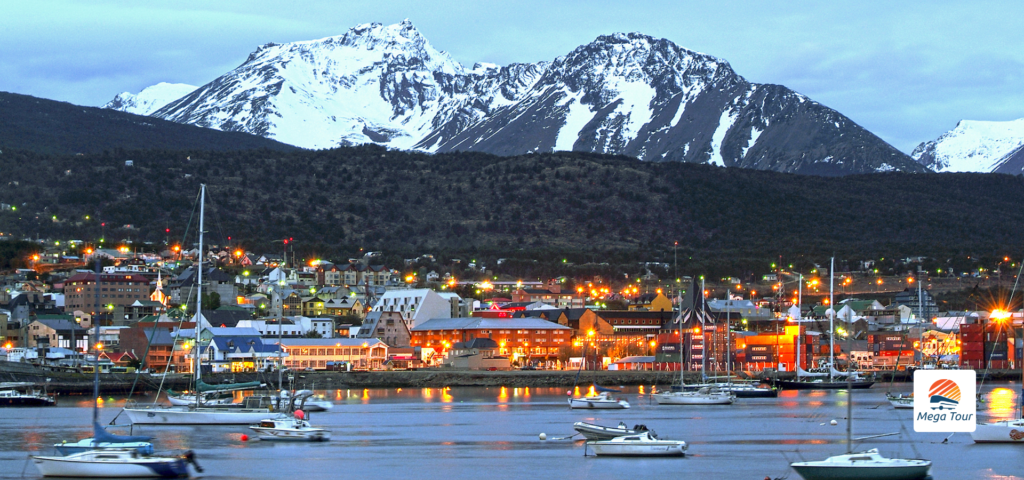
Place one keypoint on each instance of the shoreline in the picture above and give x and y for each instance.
(65, 383)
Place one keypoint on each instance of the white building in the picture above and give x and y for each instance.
(419, 305)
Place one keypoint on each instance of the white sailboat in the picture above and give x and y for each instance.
(706, 395)
(119, 463)
(866, 465)
(110, 456)
(254, 409)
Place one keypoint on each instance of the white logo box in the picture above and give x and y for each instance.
(953, 408)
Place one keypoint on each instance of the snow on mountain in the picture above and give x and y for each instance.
(150, 99)
(973, 146)
(621, 94)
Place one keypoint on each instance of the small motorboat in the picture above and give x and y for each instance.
(603, 400)
(704, 396)
(295, 429)
(103, 440)
(858, 466)
(901, 402)
(591, 431)
(641, 445)
(115, 463)
(1007, 431)
(24, 394)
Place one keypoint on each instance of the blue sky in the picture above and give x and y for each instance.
(907, 71)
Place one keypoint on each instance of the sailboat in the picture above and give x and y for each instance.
(252, 411)
(816, 381)
(602, 401)
(868, 464)
(705, 395)
(107, 455)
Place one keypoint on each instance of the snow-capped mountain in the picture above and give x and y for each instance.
(975, 146)
(621, 94)
(150, 99)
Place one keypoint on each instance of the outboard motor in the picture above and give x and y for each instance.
(190, 457)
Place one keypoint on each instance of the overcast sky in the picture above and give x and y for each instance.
(907, 71)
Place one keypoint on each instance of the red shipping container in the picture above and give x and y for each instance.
(1000, 364)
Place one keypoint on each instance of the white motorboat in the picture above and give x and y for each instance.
(1007, 431)
(24, 394)
(119, 463)
(642, 445)
(603, 400)
(901, 402)
(863, 465)
(295, 429)
(704, 396)
(591, 431)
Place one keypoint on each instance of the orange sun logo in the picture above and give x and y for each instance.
(944, 395)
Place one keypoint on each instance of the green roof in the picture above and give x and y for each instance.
(231, 307)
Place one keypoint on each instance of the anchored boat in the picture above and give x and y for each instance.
(642, 445)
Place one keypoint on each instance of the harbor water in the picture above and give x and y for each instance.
(473, 433)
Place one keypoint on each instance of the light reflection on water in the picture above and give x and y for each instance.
(468, 433)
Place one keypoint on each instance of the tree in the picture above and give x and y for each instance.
(312, 334)
(211, 301)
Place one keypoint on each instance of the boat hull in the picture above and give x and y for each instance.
(27, 402)
(832, 472)
(999, 432)
(189, 416)
(597, 404)
(93, 465)
(686, 399)
(598, 432)
(795, 385)
(647, 449)
(292, 435)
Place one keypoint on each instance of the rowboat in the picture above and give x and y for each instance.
(591, 431)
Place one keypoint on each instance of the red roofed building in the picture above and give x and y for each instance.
(118, 289)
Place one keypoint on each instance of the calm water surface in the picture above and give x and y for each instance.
(492, 433)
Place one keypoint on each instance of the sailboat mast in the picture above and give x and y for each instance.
(199, 292)
(831, 320)
(703, 335)
(799, 313)
(728, 335)
(95, 341)
(849, 383)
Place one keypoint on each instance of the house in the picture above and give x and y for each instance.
(320, 353)
(237, 350)
(344, 307)
(388, 327)
(653, 302)
(63, 333)
(160, 344)
(418, 305)
(352, 274)
(183, 287)
(143, 308)
(552, 295)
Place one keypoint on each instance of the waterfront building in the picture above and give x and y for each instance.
(317, 353)
(62, 333)
(526, 338)
(418, 305)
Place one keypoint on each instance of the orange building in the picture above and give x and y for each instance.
(526, 337)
